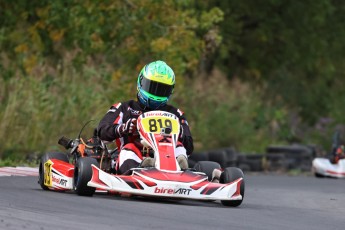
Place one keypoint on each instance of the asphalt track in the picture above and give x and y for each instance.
(271, 202)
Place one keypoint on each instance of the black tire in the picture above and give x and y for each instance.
(297, 156)
(218, 156)
(82, 175)
(231, 157)
(245, 167)
(255, 161)
(207, 167)
(231, 174)
(277, 162)
(44, 159)
(202, 156)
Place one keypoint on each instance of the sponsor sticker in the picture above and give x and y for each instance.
(179, 191)
(134, 112)
(59, 181)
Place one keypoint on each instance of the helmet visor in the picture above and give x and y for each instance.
(155, 88)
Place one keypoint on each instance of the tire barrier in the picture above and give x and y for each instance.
(251, 162)
(276, 159)
(196, 157)
(290, 157)
(228, 157)
(225, 157)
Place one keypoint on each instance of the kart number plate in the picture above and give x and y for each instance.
(155, 124)
(48, 173)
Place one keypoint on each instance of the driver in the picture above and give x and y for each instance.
(155, 85)
(338, 149)
(338, 154)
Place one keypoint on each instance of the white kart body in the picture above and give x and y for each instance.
(154, 182)
(166, 179)
(324, 167)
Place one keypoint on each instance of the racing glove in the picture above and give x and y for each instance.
(127, 128)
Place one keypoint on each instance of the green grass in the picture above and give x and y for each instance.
(16, 162)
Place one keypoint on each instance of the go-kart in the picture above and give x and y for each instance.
(333, 165)
(159, 131)
(90, 170)
(323, 167)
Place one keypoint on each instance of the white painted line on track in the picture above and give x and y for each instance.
(18, 171)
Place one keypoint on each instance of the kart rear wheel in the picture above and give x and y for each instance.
(82, 175)
(206, 167)
(44, 159)
(229, 175)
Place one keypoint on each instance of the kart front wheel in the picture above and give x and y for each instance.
(229, 175)
(49, 156)
(82, 175)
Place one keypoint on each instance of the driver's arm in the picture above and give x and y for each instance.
(186, 136)
(109, 123)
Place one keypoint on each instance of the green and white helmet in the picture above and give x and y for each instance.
(155, 84)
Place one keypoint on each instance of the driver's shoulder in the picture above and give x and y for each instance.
(174, 110)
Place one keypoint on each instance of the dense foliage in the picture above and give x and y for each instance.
(249, 73)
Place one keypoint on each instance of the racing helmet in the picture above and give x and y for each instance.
(155, 84)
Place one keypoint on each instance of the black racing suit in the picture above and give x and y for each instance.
(121, 112)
